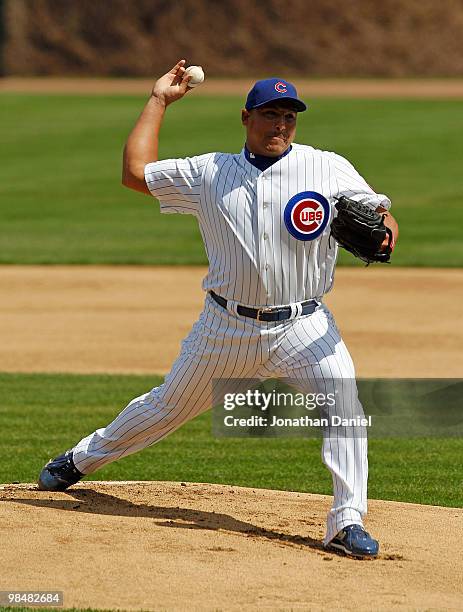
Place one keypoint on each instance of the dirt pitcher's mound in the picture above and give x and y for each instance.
(156, 545)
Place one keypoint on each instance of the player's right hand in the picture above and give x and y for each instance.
(173, 85)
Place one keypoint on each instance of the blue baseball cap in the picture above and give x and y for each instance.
(271, 90)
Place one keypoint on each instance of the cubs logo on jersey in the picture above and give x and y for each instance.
(306, 215)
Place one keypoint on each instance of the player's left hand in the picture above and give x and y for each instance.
(361, 230)
(391, 223)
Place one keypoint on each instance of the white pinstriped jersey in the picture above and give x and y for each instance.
(253, 258)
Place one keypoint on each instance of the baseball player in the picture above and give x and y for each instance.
(264, 215)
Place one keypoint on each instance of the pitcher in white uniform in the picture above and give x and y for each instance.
(264, 215)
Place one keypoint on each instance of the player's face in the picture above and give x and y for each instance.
(270, 129)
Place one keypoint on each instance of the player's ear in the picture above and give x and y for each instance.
(244, 116)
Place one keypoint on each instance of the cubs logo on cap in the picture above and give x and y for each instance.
(306, 215)
(281, 87)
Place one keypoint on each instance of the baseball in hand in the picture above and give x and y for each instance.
(197, 75)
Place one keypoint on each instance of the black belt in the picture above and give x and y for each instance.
(267, 314)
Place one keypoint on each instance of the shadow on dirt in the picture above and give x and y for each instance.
(94, 502)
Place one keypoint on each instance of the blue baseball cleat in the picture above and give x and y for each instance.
(59, 473)
(354, 541)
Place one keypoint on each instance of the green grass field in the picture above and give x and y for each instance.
(62, 202)
(42, 415)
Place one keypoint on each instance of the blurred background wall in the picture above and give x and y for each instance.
(233, 37)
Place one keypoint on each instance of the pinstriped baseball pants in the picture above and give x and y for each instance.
(306, 352)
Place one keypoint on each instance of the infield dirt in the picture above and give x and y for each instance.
(336, 88)
(397, 322)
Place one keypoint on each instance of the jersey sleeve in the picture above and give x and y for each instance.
(176, 183)
(352, 185)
